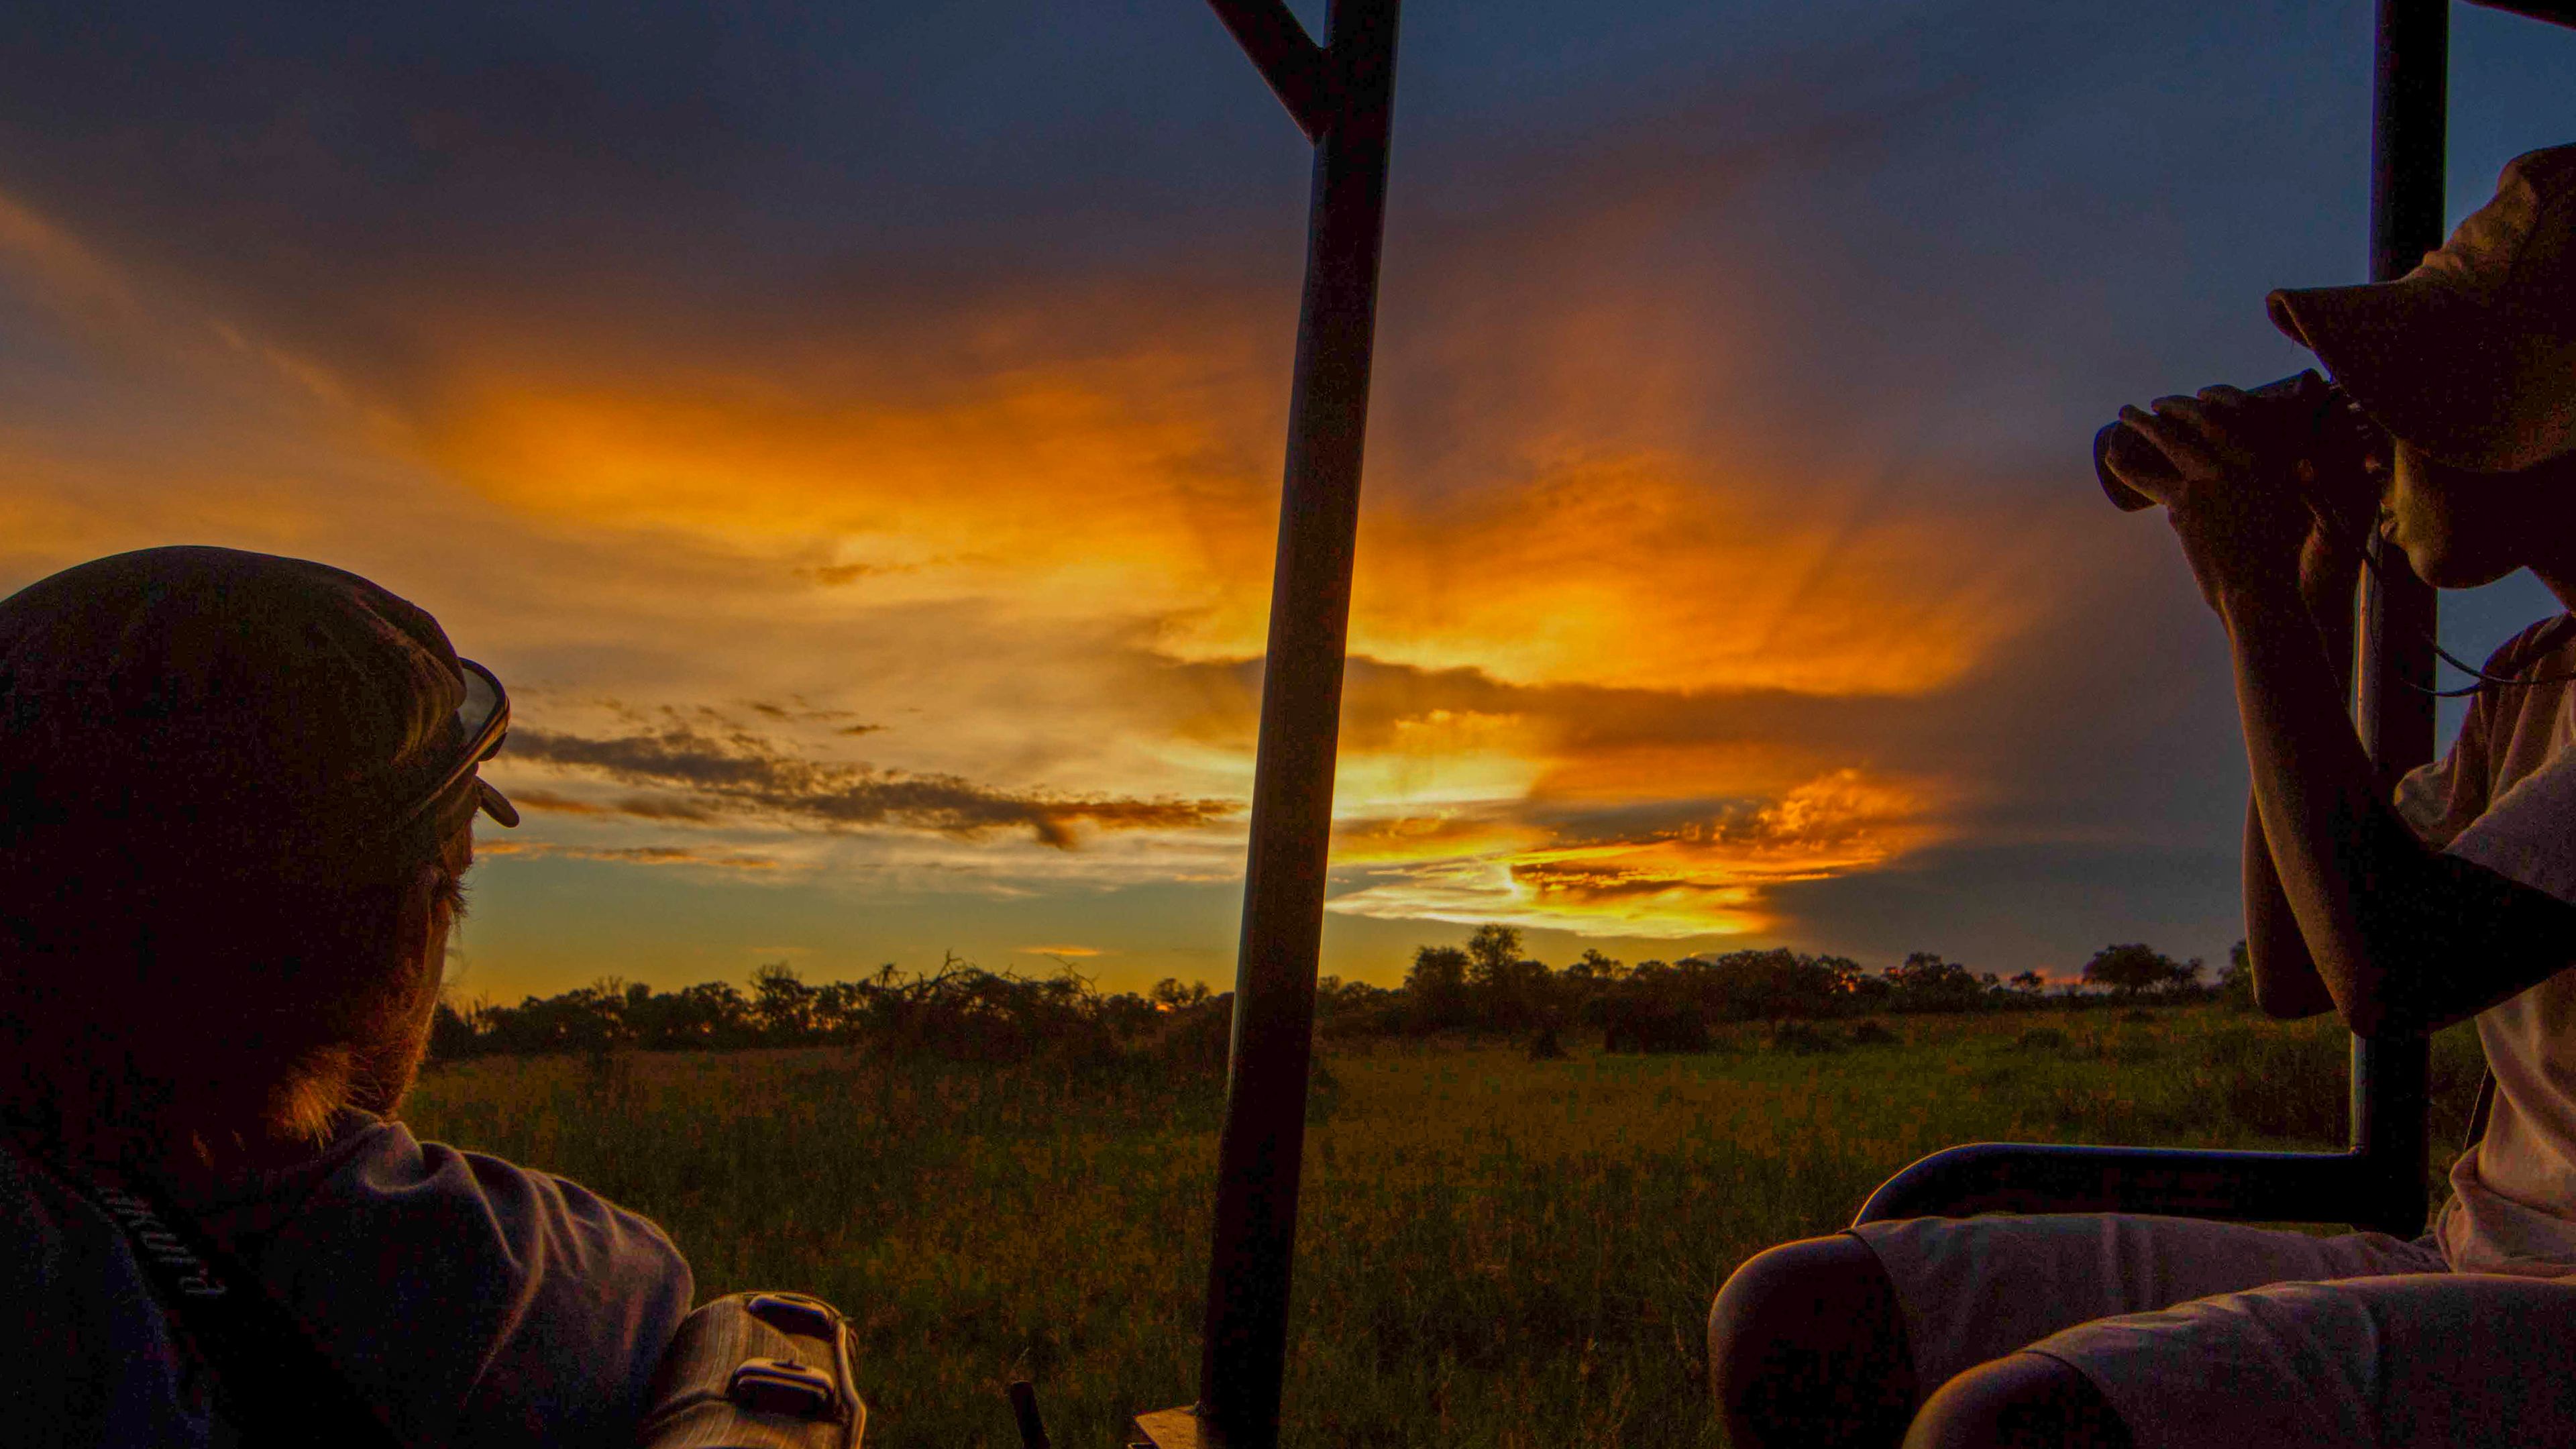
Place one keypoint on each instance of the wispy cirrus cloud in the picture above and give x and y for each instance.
(627, 854)
(716, 774)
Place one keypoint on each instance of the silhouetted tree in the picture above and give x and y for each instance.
(709, 1014)
(1492, 952)
(1925, 982)
(2135, 968)
(1170, 994)
(1775, 985)
(1357, 1008)
(961, 1011)
(1436, 988)
(456, 1033)
(1593, 968)
(781, 1004)
(2236, 978)
(1505, 991)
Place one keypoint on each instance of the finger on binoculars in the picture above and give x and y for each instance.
(2177, 438)
(2192, 410)
(2217, 426)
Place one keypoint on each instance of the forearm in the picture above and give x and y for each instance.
(2286, 983)
(2345, 866)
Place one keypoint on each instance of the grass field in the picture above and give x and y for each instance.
(1494, 1251)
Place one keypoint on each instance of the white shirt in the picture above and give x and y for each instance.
(2505, 797)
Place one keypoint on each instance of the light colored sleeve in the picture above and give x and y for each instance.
(2423, 800)
(2438, 800)
(2529, 834)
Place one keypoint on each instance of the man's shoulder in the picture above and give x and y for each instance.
(2532, 645)
(488, 1215)
(472, 1285)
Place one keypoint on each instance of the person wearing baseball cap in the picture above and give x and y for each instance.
(237, 796)
(2449, 899)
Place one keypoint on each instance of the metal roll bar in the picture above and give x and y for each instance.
(1342, 96)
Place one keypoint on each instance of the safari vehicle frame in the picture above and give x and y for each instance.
(1341, 94)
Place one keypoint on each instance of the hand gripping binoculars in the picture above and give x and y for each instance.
(2297, 419)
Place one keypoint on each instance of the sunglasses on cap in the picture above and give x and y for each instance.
(484, 721)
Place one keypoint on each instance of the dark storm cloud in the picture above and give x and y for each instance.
(353, 179)
(719, 773)
(2047, 905)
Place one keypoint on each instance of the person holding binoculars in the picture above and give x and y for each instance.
(2450, 430)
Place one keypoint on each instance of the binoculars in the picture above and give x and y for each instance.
(2297, 419)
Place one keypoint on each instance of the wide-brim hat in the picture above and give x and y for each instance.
(2471, 357)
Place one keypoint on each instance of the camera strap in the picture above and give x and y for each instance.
(271, 1381)
(2367, 549)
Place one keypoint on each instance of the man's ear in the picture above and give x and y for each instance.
(421, 922)
(390, 1055)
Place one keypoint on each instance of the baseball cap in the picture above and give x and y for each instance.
(236, 715)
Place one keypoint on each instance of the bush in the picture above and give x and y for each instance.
(960, 1012)
(1798, 1039)
(1647, 1025)
(1199, 1037)
(2296, 1081)
(2042, 1039)
(1870, 1033)
(2236, 978)
(2281, 1083)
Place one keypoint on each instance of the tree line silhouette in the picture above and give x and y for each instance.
(1486, 985)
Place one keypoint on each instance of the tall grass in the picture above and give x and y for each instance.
(1494, 1250)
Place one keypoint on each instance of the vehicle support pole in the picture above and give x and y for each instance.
(1261, 1148)
(2409, 117)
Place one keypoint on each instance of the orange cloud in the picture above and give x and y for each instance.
(1139, 479)
(1704, 876)
(1657, 572)
(1142, 484)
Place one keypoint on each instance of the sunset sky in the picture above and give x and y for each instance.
(854, 434)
